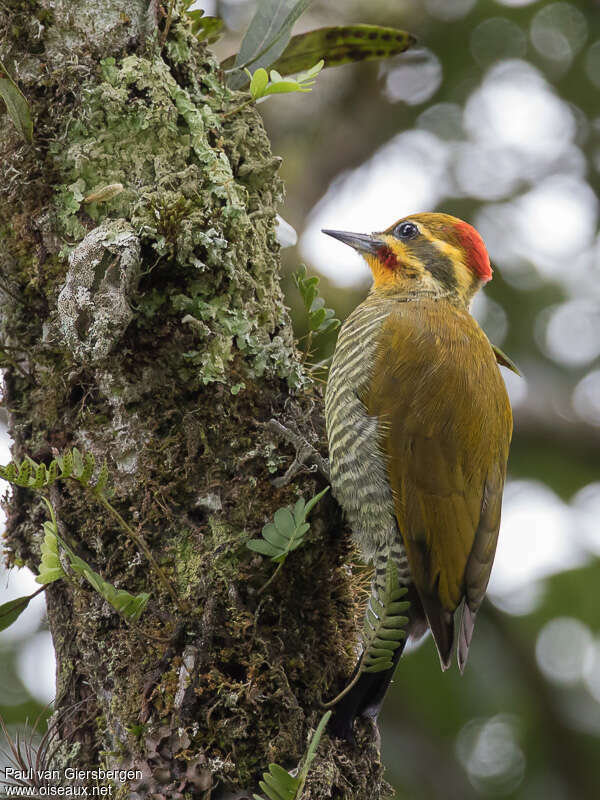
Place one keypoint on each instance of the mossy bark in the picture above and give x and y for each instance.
(150, 330)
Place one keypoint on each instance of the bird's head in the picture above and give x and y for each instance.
(433, 254)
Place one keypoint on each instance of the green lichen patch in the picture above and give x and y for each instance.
(174, 390)
(190, 203)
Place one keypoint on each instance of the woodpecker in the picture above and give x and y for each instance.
(419, 427)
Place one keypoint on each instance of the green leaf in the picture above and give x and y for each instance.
(274, 537)
(267, 36)
(102, 478)
(16, 105)
(311, 73)
(286, 532)
(384, 629)
(299, 537)
(130, 606)
(384, 624)
(320, 319)
(284, 522)
(22, 478)
(207, 29)
(40, 477)
(341, 44)
(312, 750)
(258, 83)
(52, 473)
(12, 610)
(311, 292)
(506, 361)
(316, 319)
(9, 472)
(318, 302)
(50, 568)
(313, 501)
(89, 463)
(66, 464)
(299, 511)
(328, 326)
(283, 779)
(263, 547)
(278, 784)
(77, 463)
(283, 87)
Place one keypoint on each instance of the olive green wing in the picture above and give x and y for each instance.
(445, 427)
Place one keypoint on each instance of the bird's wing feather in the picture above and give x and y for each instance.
(445, 430)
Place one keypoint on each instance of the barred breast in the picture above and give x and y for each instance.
(358, 471)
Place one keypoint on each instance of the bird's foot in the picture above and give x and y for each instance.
(342, 723)
(307, 456)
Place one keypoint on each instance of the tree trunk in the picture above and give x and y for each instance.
(149, 329)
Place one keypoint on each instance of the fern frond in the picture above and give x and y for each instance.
(384, 623)
(79, 467)
(384, 629)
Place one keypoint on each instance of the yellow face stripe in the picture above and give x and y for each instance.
(399, 265)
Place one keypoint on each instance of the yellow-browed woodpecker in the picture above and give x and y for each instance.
(419, 426)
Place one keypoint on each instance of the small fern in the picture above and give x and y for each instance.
(384, 629)
(73, 464)
(50, 570)
(384, 624)
(285, 534)
(278, 784)
(79, 467)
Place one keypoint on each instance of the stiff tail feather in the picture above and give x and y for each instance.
(465, 634)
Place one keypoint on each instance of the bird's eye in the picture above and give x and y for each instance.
(406, 230)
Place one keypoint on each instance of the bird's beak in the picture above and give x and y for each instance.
(362, 242)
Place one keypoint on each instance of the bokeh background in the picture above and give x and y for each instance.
(495, 118)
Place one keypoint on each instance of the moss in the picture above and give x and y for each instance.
(187, 203)
(174, 392)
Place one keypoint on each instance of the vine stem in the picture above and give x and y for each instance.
(345, 691)
(167, 27)
(272, 578)
(141, 544)
(307, 345)
(237, 108)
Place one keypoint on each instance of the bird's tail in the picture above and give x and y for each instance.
(465, 634)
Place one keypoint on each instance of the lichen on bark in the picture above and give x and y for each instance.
(151, 330)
